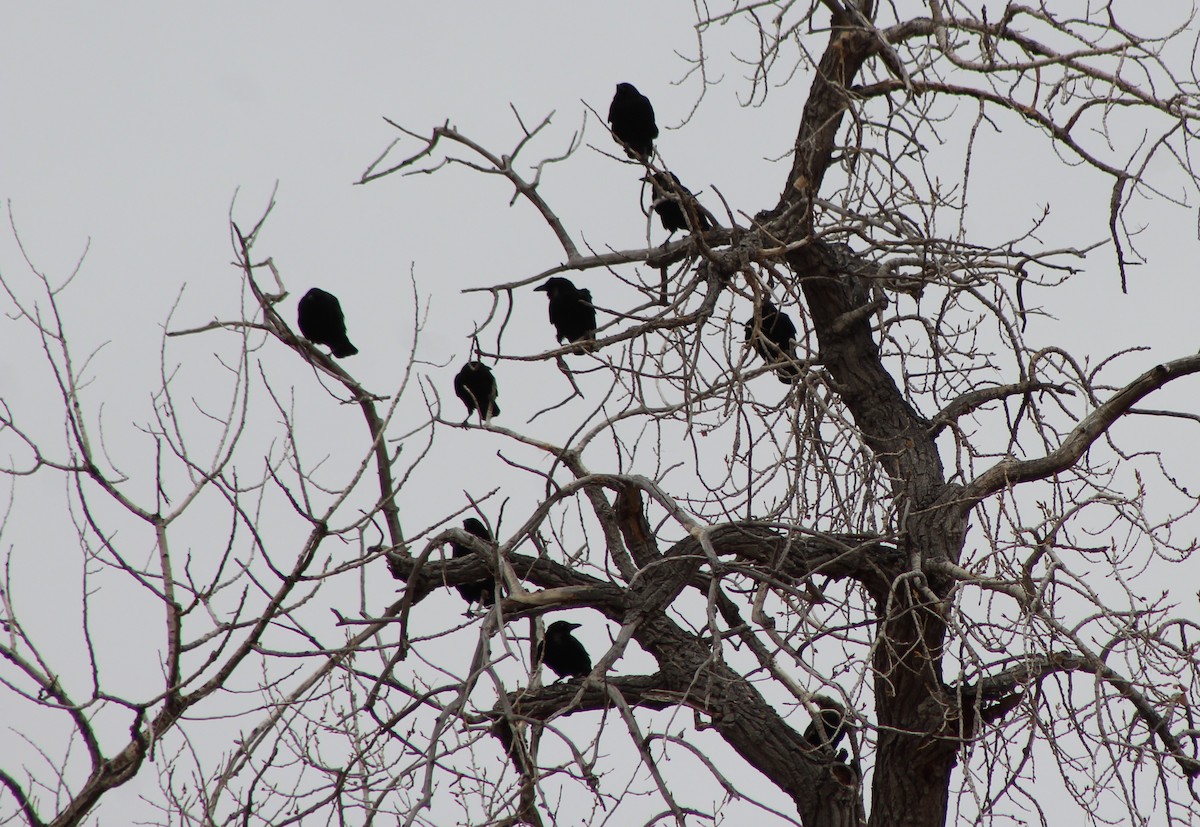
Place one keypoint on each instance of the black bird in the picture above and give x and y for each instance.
(673, 201)
(476, 387)
(632, 120)
(571, 311)
(565, 655)
(828, 726)
(774, 337)
(321, 322)
(481, 591)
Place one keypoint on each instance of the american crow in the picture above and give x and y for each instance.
(828, 726)
(321, 322)
(481, 591)
(774, 337)
(672, 201)
(565, 655)
(632, 120)
(571, 311)
(476, 387)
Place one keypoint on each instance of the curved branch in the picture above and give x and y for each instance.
(663, 255)
(22, 799)
(500, 165)
(973, 400)
(1035, 669)
(1010, 472)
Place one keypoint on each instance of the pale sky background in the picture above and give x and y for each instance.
(133, 125)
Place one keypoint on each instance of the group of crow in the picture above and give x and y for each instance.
(559, 649)
(573, 315)
(631, 118)
(574, 318)
(321, 321)
(564, 655)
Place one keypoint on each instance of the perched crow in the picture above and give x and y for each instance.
(632, 120)
(321, 322)
(565, 656)
(571, 311)
(481, 591)
(476, 387)
(828, 726)
(774, 337)
(670, 200)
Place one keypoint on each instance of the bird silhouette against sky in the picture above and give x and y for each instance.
(632, 120)
(321, 321)
(571, 310)
(476, 387)
(562, 653)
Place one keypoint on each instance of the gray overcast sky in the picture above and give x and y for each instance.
(135, 129)
(134, 124)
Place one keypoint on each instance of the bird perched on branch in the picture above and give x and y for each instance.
(476, 387)
(480, 591)
(674, 203)
(571, 311)
(321, 322)
(828, 726)
(560, 651)
(632, 120)
(774, 337)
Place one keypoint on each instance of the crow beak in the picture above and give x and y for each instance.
(575, 625)
(544, 288)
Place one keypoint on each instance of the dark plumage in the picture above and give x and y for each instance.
(632, 120)
(774, 337)
(321, 322)
(672, 201)
(571, 311)
(476, 387)
(480, 591)
(560, 651)
(828, 726)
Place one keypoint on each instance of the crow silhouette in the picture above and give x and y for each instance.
(560, 651)
(321, 322)
(571, 311)
(480, 591)
(632, 120)
(828, 726)
(673, 202)
(476, 387)
(774, 337)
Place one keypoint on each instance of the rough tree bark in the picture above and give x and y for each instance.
(922, 721)
(730, 604)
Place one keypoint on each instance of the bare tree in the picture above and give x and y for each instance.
(914, 569)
